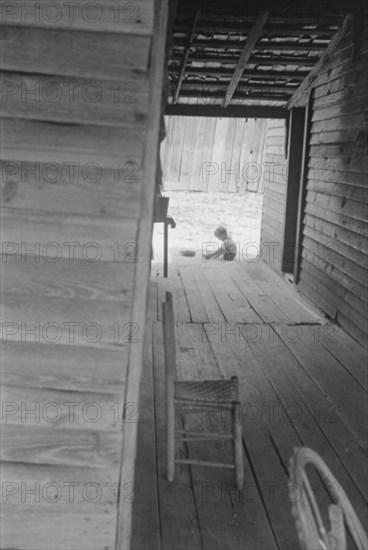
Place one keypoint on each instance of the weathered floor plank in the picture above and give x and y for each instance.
(297, 385)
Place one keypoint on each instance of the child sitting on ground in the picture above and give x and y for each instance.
(228, 248)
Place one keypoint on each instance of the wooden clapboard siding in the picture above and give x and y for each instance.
(78, 100)
(209, 154)
(75, 124)
(334, 267)
(273, 213)
(79, 53)
(125, 17)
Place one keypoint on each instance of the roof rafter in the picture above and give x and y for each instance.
(247, 52)
(186, 54)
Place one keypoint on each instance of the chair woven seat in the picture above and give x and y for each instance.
(211, 391)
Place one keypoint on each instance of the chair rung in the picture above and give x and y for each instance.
(204, 463)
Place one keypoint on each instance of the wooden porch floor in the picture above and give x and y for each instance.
(303, 382)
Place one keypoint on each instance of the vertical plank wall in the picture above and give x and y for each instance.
(74, 123)
(274, 197)
(213, 154)
(334, 269)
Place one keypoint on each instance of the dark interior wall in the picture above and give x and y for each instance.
(274, 170)
(334, 270)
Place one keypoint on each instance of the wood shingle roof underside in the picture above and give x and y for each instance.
(239, 53)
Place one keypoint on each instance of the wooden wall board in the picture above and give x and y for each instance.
(66, 278)
(186, 166)
(355, 255)
(122, 102)
(343, 190)
(101, 16)
(38, 529)
(104, 199)
(275, 182)
(67, 447)
(330, 109)
(356, 226)
(328, 256)
(97, 322)
(196, 182)
(340, 302)
(200, 153)
(327, 305)
(95, 489)
(68, 368)
(35, 141)
(96, 411)
(79, 54)
(31, 227)
(329, 172)
(351, 292)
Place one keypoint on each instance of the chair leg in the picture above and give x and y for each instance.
(238, 447)
(170, 438)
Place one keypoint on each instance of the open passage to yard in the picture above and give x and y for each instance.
(198, 214)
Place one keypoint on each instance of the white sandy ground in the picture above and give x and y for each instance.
(198, 214)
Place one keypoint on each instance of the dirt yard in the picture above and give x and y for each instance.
(198, 214)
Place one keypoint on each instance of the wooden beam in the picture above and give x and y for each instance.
(271, 45)
(281, 30)
(244, 58)
(242, 90)
(300, 96)
(300, 60)
(239, 99)
(218, 71)
(186, 55)
(234, 111)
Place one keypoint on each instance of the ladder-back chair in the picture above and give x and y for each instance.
(195, 396)
(313, 535)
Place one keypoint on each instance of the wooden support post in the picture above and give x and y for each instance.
(244, 58)
(167, 221)
(303, 186)
(295, 154)
(166, 246)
